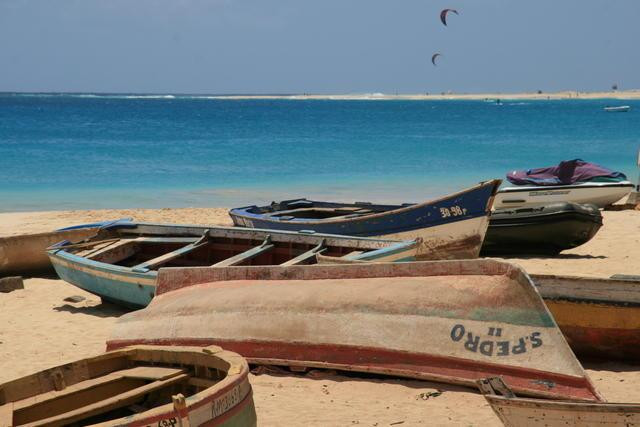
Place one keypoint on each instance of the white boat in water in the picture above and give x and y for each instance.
(600, 194)
(619, 109)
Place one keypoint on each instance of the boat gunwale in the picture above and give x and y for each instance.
(555, 292)
(366, 270)
(275, 234)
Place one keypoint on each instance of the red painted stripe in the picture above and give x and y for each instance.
(397, 363)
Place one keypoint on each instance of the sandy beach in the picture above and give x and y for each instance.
(40, 329)
(521, 96)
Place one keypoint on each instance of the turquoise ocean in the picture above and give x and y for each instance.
(88, 151)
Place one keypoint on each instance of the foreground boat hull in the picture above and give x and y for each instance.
(111, 283)
(522, 412)
(601, 194)
(443, 321)
(452, 227)
(136, 386)
(599, 317)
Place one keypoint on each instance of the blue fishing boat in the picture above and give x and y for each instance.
(450, 227)
(120, 262)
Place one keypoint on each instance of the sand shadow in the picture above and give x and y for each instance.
(341, 376)
(608, 365)
(552, 257)
(577, 256)
(101, 310)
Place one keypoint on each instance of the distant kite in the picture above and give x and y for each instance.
(433, 58)
(443, 15)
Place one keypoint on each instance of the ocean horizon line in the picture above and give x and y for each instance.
(449, 95)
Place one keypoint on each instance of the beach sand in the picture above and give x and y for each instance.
(567, 94)
(39, 330)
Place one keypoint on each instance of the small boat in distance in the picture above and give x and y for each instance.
(444, 321)
(618, 109)
(26, 253)
(544, 230)
(451, 227)
(514, 411)
(135, 386)
(120, 263)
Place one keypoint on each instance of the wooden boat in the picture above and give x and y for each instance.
(520, 412)
(120, 263)
(451, 227)
(601, 194)
(25, 253)
(546, 230)
(618, 109)
(136, 386)
(599, 317)
(447, 321)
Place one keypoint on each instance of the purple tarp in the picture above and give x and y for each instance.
(567, 172)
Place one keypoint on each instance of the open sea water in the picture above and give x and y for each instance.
(82, 151)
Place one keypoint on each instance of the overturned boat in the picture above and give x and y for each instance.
(451, 227)
(25, 254)
(136, 386)
(446, 321)
(515, 411)
(547, 229)
(600, 318)
(574, 181)
(120, 263)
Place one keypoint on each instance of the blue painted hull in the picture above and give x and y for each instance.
(387, 220)
(135, 286)
(111, 283)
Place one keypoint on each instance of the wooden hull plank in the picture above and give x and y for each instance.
(514, 411)
(599, 317)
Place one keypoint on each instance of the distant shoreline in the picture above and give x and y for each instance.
(630, 94)
(563, 95)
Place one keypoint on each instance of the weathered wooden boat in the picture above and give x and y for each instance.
(447, 321)
(546, 230)
(25, 253)
(451, 227)
(120, 263)
(601, 194)
(514, 411)
(135, 386)
(599, 317)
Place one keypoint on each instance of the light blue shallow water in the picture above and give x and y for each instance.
(99, 151)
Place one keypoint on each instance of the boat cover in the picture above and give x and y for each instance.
(567, 172)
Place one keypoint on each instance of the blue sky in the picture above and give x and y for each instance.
(329, 46)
